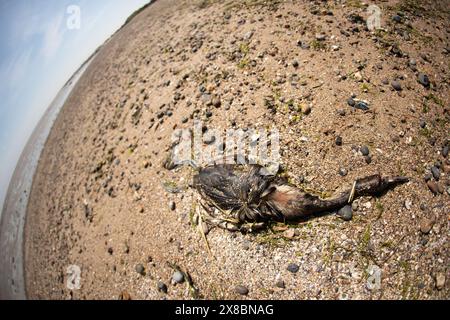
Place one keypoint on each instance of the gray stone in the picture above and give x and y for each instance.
(248, 35)
(396, 18)
(361, 105)
(140, 269)
(424, 80)
(320, 37)
(178, 277)
(396, 85)
(445, 151)
(342, 172)
(436, 173)
(241, 290)
(364, 150)
(162, 287)
(351, 102)
(345, 213)
(292, 267)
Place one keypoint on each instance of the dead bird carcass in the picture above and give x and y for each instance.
(244, 197)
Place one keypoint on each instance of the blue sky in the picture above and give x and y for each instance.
(38, 54)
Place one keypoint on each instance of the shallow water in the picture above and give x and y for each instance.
(12, 285)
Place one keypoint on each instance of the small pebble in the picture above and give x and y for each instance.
(351, 102)
(445, 151)
(241, 290)
(320, 37)
(140, 269)
(361, 105)
(162, 287)
(422, 124)
(436, 173)
(345, 213)
(397, 18)
(338, 141)
(306, 110)
(396, 85)
(280, 284)
(342, 172)
(178, 277)
(292, 267)
(426, 225)
(364, 150)
(440, 281)
(424, 80)
(172, 205)
(408, 204)
(433, 187)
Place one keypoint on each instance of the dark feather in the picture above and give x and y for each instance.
(249, 196)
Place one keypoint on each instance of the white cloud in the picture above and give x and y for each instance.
(53, 36)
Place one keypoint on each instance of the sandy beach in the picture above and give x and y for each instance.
(102, 200)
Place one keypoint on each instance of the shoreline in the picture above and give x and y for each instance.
(13, 218)
(12, 279)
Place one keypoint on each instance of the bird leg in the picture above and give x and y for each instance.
(293, 203)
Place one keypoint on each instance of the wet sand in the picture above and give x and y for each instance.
(12, 285)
